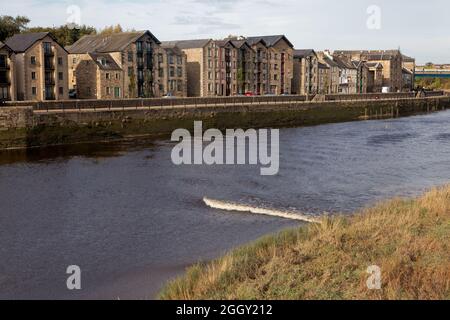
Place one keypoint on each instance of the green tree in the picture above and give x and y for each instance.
(9, 26)
(66, 36)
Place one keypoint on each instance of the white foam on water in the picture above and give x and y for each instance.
(233, 206)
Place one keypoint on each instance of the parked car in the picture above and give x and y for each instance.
(249, 94)
(72, 94)
(169, 96)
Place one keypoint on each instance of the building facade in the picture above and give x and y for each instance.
(362, 77)
(172, 71)
(135, 53)
(245, 66)
(306, 72)
(280, 63)
(392, 61)
(7, 75)
(332, 86)
(375, 77)
(40, 67)
(409, 73)
(324, 78)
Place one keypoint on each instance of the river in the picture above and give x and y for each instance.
(131, 220)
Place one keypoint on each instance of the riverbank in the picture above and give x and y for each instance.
(25, 127)
(407, 238)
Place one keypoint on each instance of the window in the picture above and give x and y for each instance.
(33, 91)
(33, 76)
(117, 92)
(179, 72)
(60, 61)
(88, 90)
(130, 56)
(172, 71)
(74, 60)
(108, 76)
(275, 77)
(180, 85)
(117, 76)
(60, 76)
(130, 71)
(209, 64)
(3, 61)
(108, 91)
(4, 93)
(161, 72)
(61, 90)
(160, 58)
(170, 59)
(33, 60)
(179, 60)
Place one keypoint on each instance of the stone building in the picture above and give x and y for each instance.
(172, 71)
(261, 66)
(348, 75)
(227, 69)
(375, 77)
(306, 72)
(245, 66)
(392, 61)
(40, 67)
(7, 79)
(98, 76)
(362, 76)
(280, 62)
(202, 66)
(324, 78)
(409, 73)
(332, 86)
(135, 53)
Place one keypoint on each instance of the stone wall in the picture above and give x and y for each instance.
(21, 127)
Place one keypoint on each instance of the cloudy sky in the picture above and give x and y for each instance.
(419, 28)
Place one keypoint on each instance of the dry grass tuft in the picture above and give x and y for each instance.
(409, 239)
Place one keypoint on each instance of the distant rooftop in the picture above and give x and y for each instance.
(269, 40)
(22, 42)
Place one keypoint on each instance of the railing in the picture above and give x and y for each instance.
(236, 101)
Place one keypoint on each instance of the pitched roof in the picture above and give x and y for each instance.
(301, 53)
(374, 65)
(240, 43)
(223, 43)
(408, 59)
(104, 61)
(4, 46)
(190, 44)
(371, 54)
(404, 70)
(342, 63)
(323, 66)
(329, 62)
(23, 41)
(171, 47)
(270, 40)
(108, 42)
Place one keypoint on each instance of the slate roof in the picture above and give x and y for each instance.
(330, 62)
(22, 42)
(371, 54)
(323, 66)
(107, 43)
(2, 45)
(374, 65)
(269, 40)
(240, 43)
(408, 59)
(189, 44)
(301, 53)
(170, 46)
(104, 61)
(342, 63)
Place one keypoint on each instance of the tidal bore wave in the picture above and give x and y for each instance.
(233, 206)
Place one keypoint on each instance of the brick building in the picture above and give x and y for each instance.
(172, 71)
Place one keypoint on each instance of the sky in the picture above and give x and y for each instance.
(419, 28)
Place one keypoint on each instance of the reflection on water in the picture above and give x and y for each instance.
(133, 219)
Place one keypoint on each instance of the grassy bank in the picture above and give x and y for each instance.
(409, 239)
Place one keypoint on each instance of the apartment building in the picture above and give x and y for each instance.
(362, 76)
(172, 71)
(202, 66)
(40, 67)
(392, 61)
(245, 66)
(7, 79)
(375, 77)
(332, 86)
(280, 62)
(348, 75)
(227, 68)
(409, 73)
(261, 66)
(324, 78)
(306, 72)
(132, 54)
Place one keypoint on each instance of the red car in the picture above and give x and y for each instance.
(249, 94)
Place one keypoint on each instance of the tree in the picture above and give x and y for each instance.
(65, 35)
(9, 26)
(112, 29)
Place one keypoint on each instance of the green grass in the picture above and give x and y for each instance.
(406, 238)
